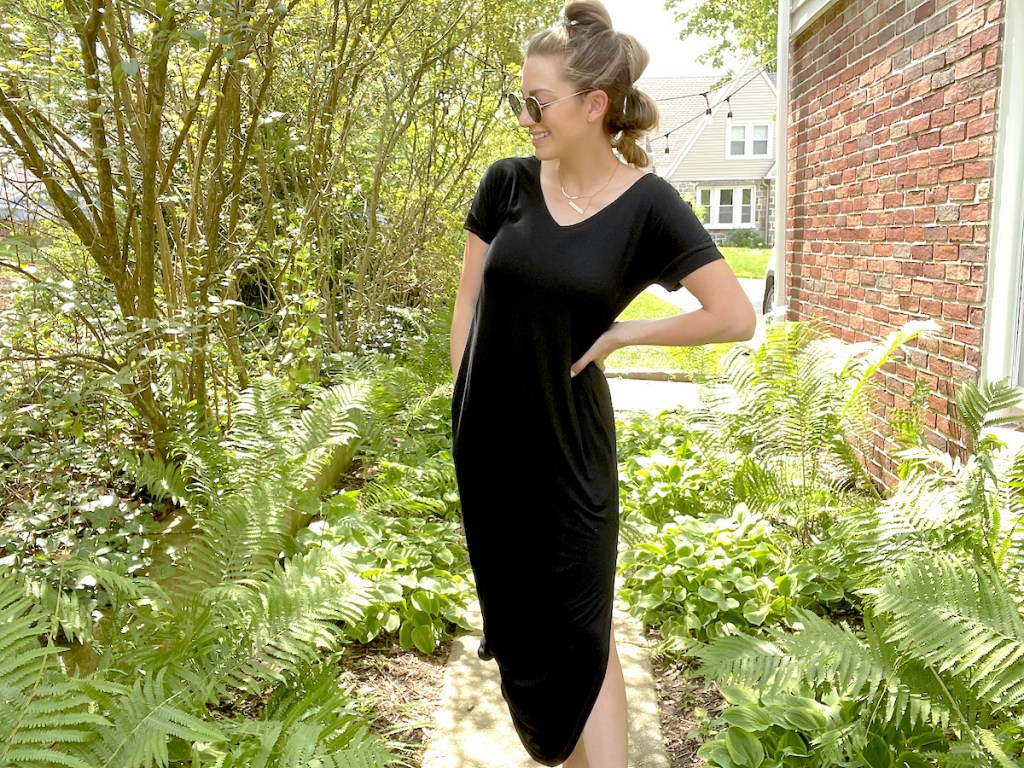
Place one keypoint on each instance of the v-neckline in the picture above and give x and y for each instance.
(598, 212)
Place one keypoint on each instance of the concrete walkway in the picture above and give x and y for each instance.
(473, 726)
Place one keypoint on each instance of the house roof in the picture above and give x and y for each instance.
(679, 102)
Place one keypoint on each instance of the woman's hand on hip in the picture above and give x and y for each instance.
(606, 344)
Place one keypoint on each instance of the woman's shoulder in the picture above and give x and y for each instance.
(508, 167)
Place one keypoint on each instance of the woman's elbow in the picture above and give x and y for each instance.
(742, 323)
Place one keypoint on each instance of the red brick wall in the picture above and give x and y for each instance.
(891, 145)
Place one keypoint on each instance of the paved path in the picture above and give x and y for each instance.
(473, 727)
(631, 395)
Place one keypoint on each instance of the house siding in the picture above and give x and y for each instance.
(707, 159)
(704, 163)
(893, 114)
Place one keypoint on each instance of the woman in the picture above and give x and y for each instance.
(558, 245)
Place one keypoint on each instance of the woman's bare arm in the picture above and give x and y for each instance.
(466, 297)
(726, 314)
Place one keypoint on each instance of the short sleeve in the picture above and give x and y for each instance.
(675, 243)
(491, 202)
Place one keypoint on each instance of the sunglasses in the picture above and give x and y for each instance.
(533, 107)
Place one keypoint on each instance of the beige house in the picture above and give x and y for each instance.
(716, 145)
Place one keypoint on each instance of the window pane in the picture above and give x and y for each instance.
(746, 196)
(760, 147)
(725, 197)
(738, 140)
(725, 214)
(705, 204)
(761, 132)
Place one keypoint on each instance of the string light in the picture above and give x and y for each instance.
(706, 114)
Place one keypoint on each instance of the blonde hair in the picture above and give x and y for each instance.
(596, 56)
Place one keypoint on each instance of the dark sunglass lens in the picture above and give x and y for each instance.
(533, 108)
(515, 104)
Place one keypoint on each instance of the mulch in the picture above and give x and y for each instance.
(687, 706)
(403, 687)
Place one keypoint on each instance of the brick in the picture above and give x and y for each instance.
(950, 174)
(981, 169)
(971, 294)
(980, 212)
(966, 150)
(967, 109)
(954, 311)
(981, 125)
(962, 192)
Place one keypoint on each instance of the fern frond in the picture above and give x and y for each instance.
(337, 419)
(289, 620)
(142, 721)
(959, 619)
(751, 661)
(979, 403)
(39, 707)
(262, 430)
(162, 479)
(243, 537)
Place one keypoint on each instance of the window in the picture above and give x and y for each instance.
(749, 140)
(727, 206)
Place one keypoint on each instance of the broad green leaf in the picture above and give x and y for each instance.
(744, 748)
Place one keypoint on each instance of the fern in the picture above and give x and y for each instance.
(979, 405)
(39, 707)
(959, 619)
(143, 718)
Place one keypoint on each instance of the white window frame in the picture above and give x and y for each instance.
(748, 140)
(1003, 346)
(737, 194)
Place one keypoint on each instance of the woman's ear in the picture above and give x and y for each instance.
(598, 101)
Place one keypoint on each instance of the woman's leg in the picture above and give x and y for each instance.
(604, 740)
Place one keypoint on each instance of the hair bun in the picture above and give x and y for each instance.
(589, 16)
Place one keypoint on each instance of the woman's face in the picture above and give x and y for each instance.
(562, 124)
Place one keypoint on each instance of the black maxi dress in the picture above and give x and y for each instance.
(534, 448)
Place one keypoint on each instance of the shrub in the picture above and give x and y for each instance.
(744, 238)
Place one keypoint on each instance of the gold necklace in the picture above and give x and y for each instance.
(573, 198)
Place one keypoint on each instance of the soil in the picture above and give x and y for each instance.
(687, 706)
(403, 687)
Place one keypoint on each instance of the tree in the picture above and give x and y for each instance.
(744, 26)
(254, 181)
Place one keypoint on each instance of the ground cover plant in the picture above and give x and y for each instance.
(196, 608)
(901, 641)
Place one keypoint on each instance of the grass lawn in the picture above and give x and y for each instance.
(696, 361)
(747, 262)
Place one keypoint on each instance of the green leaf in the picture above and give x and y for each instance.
(756, 612)
(877, 753)
(749, 717)
(423, 639)
(744, 748)
(196, 38)
(804, 719)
